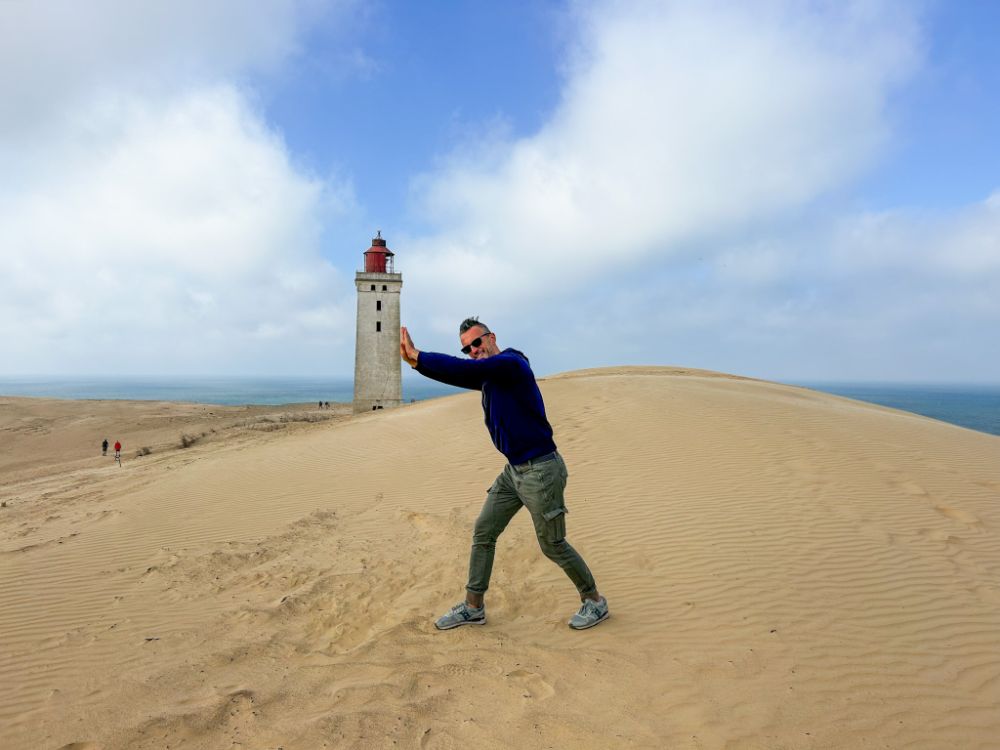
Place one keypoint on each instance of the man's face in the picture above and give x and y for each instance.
(487, 346)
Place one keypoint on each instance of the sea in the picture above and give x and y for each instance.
(976, 407)
(231, 391)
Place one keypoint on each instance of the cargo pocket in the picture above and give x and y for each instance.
(555, 524)
(554, 512)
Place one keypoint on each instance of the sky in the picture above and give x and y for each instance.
(797, 191)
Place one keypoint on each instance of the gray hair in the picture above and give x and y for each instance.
(472, 323)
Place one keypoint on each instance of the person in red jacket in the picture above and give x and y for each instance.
(118, 449)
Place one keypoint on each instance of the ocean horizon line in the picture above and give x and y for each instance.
(215, 389)
(807, 382)
(975, 406)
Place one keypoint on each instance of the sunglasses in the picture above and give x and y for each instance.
(476, 342)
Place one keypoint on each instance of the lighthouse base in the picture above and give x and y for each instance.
(362, 405)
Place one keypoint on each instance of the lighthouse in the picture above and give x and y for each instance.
(377, 378)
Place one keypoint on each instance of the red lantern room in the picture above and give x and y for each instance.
(378, 258)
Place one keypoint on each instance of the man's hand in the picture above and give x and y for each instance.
(407, 350)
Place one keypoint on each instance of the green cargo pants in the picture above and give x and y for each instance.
(538, 485)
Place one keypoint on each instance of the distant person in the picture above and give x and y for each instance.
(118, 450)
(320, 404)
(327, 404)
(104, 447)
(535, 476)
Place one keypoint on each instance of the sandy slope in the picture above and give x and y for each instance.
(786, 569)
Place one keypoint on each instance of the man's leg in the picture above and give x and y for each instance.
(501, 504)
(541, 489)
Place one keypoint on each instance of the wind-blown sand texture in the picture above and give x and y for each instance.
(786, 569)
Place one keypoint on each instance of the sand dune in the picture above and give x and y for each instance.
(786, 569)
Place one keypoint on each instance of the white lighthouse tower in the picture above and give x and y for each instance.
(377, 371)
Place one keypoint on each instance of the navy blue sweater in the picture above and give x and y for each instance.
(512, 403)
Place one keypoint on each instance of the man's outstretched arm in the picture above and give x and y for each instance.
(463, 373)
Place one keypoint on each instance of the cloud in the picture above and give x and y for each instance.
(54, 59)
(153, 221)
(685, 204)
(679, 123)
(183, 224)
(894, 295)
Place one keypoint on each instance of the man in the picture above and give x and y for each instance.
(535, 476)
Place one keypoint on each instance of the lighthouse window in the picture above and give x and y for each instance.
(378, 325)
(384, 287)
(378, 304)
(373, 287)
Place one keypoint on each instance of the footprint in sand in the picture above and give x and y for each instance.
(532, 684)
(418, 519)
(956, 514)
(458, 670)
(236, 711)
(995, 486)
(912, 488)
(937, 535)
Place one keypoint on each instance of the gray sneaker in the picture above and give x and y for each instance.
(590, 614)
(461, 614)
